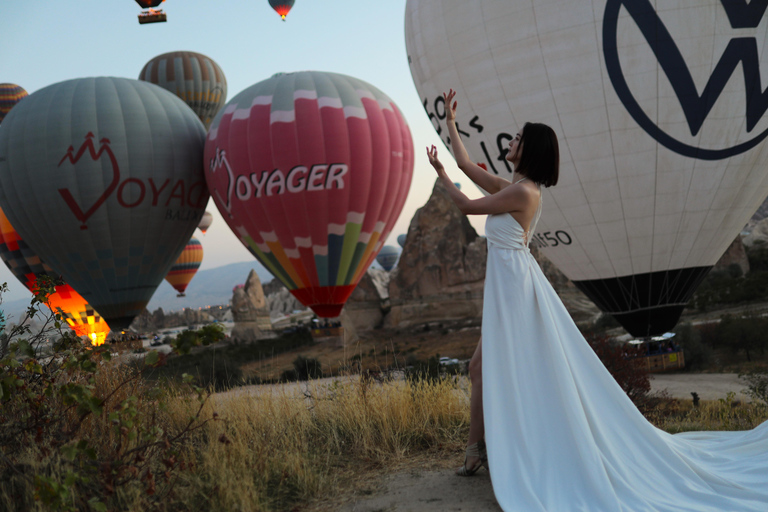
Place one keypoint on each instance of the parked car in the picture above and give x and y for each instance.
(448, 361)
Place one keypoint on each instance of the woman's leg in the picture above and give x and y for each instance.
(476, 423)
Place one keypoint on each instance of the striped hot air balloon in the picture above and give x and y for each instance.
(10, 95)
(310, 171)
(103, 178)
(28, 267)
(191, 76)
(185, 267)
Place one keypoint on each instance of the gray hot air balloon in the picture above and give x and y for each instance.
(103, 178)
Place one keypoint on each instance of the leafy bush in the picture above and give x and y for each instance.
(748, 334)
(726, 287)
(77, 431)
(757, 384)
(429, 370)
(307, 368)
(624, 365)
(698, 355)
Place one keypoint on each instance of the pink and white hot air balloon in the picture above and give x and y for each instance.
(311, 170)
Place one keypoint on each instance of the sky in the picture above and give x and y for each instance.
(49, 41)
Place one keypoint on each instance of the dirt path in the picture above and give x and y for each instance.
(709, 386)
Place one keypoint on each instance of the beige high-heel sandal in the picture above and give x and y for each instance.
(474, 450)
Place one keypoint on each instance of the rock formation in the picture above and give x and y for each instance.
(442, 268)
(250, 311)
(735, 254)
(757, 235)
(280, 301)
(187, 317)
(369, 301)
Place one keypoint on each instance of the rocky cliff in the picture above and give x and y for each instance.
(440, 274)
(369, 302)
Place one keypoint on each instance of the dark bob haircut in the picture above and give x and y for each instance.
(540, 160)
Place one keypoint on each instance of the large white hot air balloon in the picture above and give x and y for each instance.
(660, 113)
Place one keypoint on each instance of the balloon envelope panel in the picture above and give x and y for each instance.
(28, 267)
(193, 77)
(103, 178)
(186, 265)
(657, 113)
(311, 171)
(10, 95)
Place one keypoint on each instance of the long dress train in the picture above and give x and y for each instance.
(563, 436)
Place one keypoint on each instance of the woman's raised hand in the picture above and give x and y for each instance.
(450, 109)
(434, 161)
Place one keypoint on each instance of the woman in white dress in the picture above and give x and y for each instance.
(560, 432)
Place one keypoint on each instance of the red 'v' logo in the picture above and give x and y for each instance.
(95, 155)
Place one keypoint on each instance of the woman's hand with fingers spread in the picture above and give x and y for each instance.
(450, 108)
(434, 161)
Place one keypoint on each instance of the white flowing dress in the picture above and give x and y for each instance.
(563, 436)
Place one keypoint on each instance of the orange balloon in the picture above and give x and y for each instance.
(28, 267)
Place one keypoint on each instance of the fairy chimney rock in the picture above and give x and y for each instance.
(250, 311)
(440, 273)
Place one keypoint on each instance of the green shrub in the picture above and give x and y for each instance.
(757, 384)
(307, 368)
(698, 356)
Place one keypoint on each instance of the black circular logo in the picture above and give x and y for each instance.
(741, 53)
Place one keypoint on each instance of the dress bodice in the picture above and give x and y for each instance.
(502, 230)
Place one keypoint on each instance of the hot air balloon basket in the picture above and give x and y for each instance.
(152, 17)
(668, 362)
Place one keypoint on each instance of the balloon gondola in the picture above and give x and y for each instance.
(103, 178)
(185, 267)
(151, 15)
(311, 170)
(662, 164)
(281, 7)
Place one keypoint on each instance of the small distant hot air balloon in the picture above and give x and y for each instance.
(185, 267)
(205, 222)
(191, 76)
(10, 95)
(311, 170)
(28, 267)
(387, 257)
(282, 7)
(103, 178)
(151, 15)
(401, 239)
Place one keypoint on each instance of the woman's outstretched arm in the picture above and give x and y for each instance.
(507, 200)
(477, 174)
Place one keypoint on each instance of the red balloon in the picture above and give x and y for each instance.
(311, 170)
